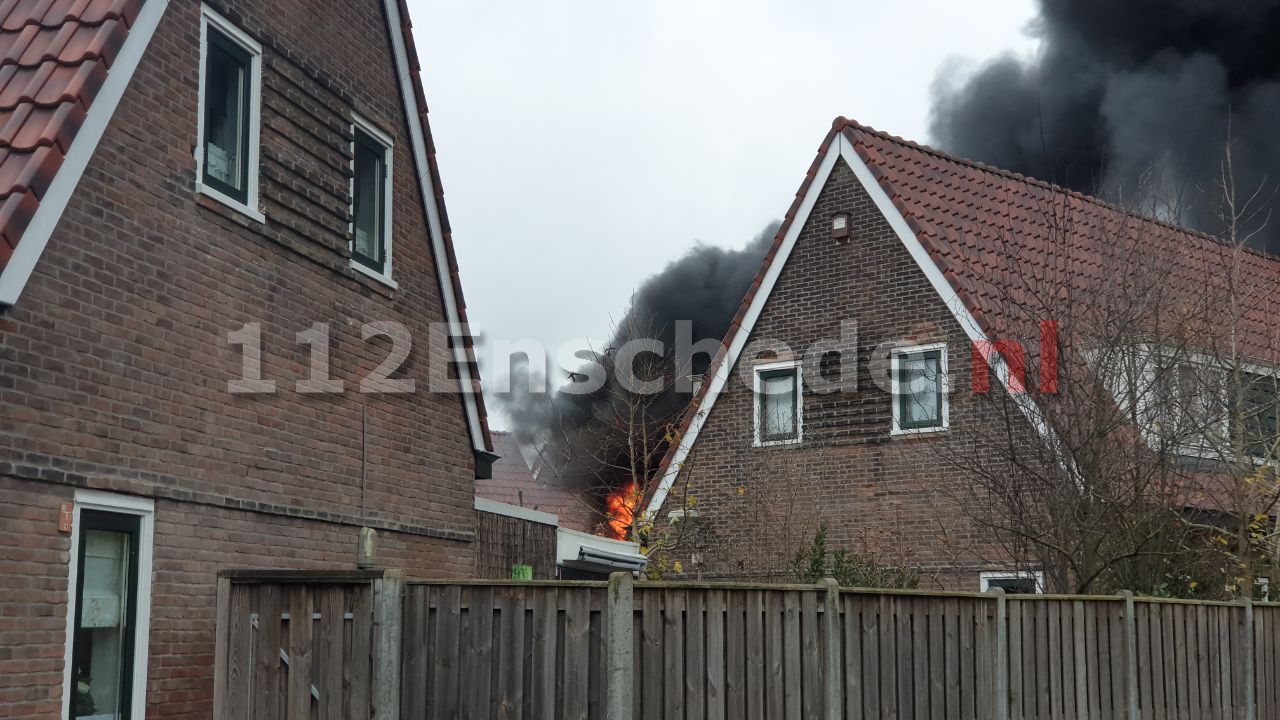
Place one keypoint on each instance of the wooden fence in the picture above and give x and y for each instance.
(487, 649)
(307, 645)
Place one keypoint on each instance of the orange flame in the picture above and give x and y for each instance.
(620, 506)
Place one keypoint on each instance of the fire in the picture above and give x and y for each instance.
(620, 506)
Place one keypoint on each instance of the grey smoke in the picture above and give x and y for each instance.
(1120, 89)
(704, 286)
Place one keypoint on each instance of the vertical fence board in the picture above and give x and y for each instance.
(413, 690)
(920, 657)
(596, 690)
(360, 689)
(774, 652)
(543, 661)
(984, 633)
(509, 695)
(715, 655)
(905, 661)
(853, 669)
(299, 699)
(266, 699)
(239, 669)
(695, 656)
(673, 650)
(1067, 617)
(448, 632)
(951, 651)
(810, 641)
(937, 662)
(1017, 665)
(969, 676)
(869, 611)
(743, 698)
(651, 660)
(1044, 682)
(331, 601)
(577, 653)
(479, 655)
(1057, 702)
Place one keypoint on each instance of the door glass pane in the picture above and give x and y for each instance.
(368, 210)
(778, 405)
(100, 654)
(225, 116)
(920, 390)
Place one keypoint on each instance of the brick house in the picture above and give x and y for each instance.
(896, 255)
(225, 252)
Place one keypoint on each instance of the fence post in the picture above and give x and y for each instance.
(388, 616)
(1001, 704)
(1130, 655)
(834, 679)
(619, 621)
(1247, 659)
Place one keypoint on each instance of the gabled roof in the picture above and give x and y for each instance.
(54, 58)
(64, 65)
(969, 226)
(514, 482)
(985, 226)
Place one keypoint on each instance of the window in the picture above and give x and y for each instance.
(920, 389)
(109, 608)
(778, 403)
(1013, 583)
(1190, 399)
(1255, 418)
(371, 201)
(230, 82)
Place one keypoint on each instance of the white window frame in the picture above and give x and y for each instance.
(984, 579)
(210, 17)
(144, 509)
(756, 393)
(1147, 378)
(388, 188)
(944, 382)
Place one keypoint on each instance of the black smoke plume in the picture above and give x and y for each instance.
(1132, 98)
(704, 287)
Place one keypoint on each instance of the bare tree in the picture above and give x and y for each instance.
(605, 433)
(1148, 452)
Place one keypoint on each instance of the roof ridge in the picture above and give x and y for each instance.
(845, 122)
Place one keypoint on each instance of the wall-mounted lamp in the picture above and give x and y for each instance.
(840, 227)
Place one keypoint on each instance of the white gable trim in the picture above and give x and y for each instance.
(839, 147)
(394, 25)
(717, 383)
(23, 262)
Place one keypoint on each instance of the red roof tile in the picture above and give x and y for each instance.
(54, 56)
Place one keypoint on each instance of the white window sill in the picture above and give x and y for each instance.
(777, 443)
(365, 270)
(916, 432)
(230, 202)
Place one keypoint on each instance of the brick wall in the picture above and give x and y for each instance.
(114, 363)
(899, 498)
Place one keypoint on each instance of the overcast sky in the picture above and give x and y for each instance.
(585, 144)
